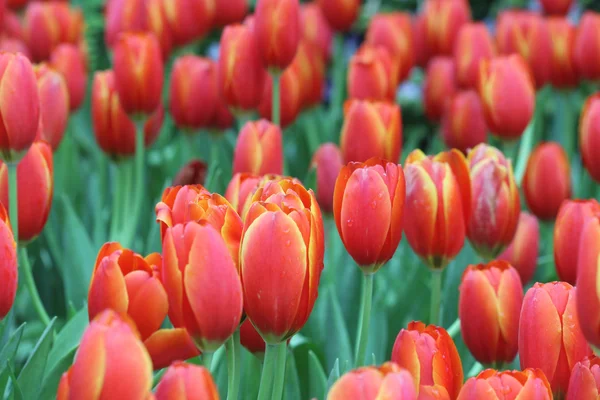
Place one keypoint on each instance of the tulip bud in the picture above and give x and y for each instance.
(252, 340)
(189, 20)
(281, 258)
(443, 20)
(12, 45)
(372, 74)
(371, 383)
(418, 31)
(547, 161)
(585, 380)
(111, 362)
(8, 264)
(551, 308)
(440, 86)
(278, 31)
(241, 72)
(15, 4)
(340, 14)
(327, 161)
(315, 28)
(440, 185)
(589, 136)
(523, 251)
(70, 61)
(35, 185)
(368, 204)
(20, 114)
(166, 346)
(259, 149)
(493, 385)
(508, 95)
(588, 295)
(290, 97)
(54, 104)
(309, 66)
(195, 258)
(114, 130)
(192, 173)
(587, 42)
(229, 12)
(562, 35)
(473, 44)
(558, 7)
(222, 118)
(240, 190)
(187, 381)
(489, 306)
(463, 122)
(429, 354)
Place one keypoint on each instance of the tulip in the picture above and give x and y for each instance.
(192, 173)
(34, 193)
(493, 385)
(435, 392)
(240, 190)
(371, 383)
(241, 73)
(252, 340)
(189, 20)
(340, 14)
(278, 31)
(488, 306)
(587, 40)
(551, 308)
(259, 149)
(588, 296)
(429, 354)
(111, 363)
(15, 4)
(166, 346)
(463, 122)
(327, 161)
(195, 257)
(473, 44)
(559, 7)
(443, 21)
(70, 61)
(508, 95)
(585, 380)
(371, 130)
(187, 381)
(315, 28)
(290, 97)
(114, 130)
(309, 68)
(548, 160)
(8, 264)
(12, 45)
(589, 136)
(222, 118)
(418, 31)
(562, 72)
(523, 251)
(372, 74)
(229, 12)
(54, 105)
(20, 114)
(440, 86)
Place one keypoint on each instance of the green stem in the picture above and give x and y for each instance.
(207, 360)
(337, 98)
(13, 204)
(454, 329)
(33, 292)
(276, 101)
(233, 348)
(363, 330)
(436, 296)
(279, 376)
(266, 379)
(524, 150)
(135, 206)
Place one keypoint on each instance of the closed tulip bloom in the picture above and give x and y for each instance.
(371, 130)
(589, 136)
(421, 51)
(523, 251)
(259, 149)
(20, 114)
(222, 119)
(187, 381)
(13, 45)
(113, 128)
(195, 257)
(443, 21)
(327, 162)
(387, 381)
(290, 100)
(372, 74)
(551, 308)
(530, 384)
(111, 363)
(340, 14)
(281, 258)
(35, 184)
(585, 380)
(440, 85)
(241, 72)
(438, 205)
(54, 104)
(429, 354)
(278, 31)
(252, 340)
(15, 4)
(166, 346)
(240, 190)
(309, 66)
(562, 72)
(587, 41)
(463, 122)
(70, 61)
(368, 203)
(192, 173)
(489, 306)
(556, 7)
(473, 44)
(315, 28)
(508, 95)
(547, 161)
(229, 12)
(189, 20)
(588, 295)
(8, 265)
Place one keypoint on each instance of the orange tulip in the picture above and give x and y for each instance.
(259, 149)
(387, 381)
(368, 203)
(283, 231)
(309, 66)
(230, 12)
(70, 61)
(562, 35)
(315, 28)
(489, 306)
(340, 14)
(523, 252)
(514, 385)
(559, 7)
(327, 161)
(114, 130)
(240, 190)
(429, 354)
(54, 105)
(443, 21)
(189, 20)
(589, 136)
(586, 55)
(111, 363)
(35, 185)
(166, 346)
(585, 380)
(438, 205)
(187, 381)
(196, 257)
(192, 173)
(372, 74)
(291, 96)
(278, 31)
(463, 122)
(508, 95)
(588, 296)
(551, 308)
(8, 265)
(440, 86)
(473, 44)
(547, 161)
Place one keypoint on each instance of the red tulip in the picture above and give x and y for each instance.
(463, 122)
(443, 21)
(440, 86)
(259, 149)
(372, 74)
(327, 161)
(315, 28)
(309, 68)
(473, 44)
(510, 385)
(189, 20)
(589, 136)
(562, 35)
(560, 7)
(587, 42)
(166, 346)
(585, 380)
(240, 190)
(523, 251)
(192, 173)
(187, 381)
(12, 45)
(588, 297)
(8, 265)
(291, 97)
(230, 12)
(70, 61)
(278, 31)
(340, 14)
(54, 105)
(421, 51)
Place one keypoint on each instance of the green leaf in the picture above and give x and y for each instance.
(317, 380)
(67, 340)
(292, 382)
(52, 379)
(32, 373)
(10, 348)
(16, 392)
(334, 375)
(339, 342)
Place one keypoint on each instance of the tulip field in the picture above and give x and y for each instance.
(290, 199)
